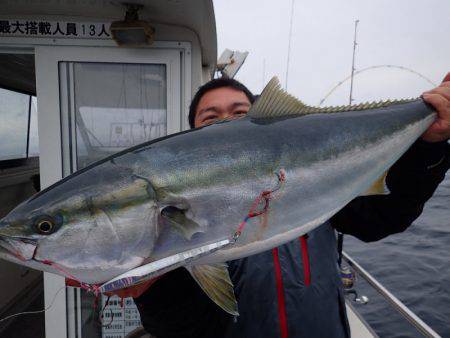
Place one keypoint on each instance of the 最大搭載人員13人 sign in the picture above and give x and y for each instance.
(54, 29)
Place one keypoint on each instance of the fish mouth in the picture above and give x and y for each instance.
(13, 256)
(8, 256)
(22, 249)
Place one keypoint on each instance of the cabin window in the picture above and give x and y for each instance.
(18, 130)
(117, 106)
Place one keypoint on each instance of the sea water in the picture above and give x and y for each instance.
(414, 266)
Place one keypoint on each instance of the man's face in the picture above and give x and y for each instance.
(221, 103)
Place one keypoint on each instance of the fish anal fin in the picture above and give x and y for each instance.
(216, 283)
(378, 187)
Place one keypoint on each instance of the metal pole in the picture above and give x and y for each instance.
(30, 101)
(264, 73)
(418, 323)
(353, 64)
(289, 46)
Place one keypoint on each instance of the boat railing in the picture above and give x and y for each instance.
(401, 308)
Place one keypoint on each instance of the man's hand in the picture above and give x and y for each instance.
(439, 98)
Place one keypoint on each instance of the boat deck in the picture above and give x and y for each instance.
(358, 326)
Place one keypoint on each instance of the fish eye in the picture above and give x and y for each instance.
(45, 226)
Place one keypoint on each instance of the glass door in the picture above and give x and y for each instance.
(112, 106)
(106, 100)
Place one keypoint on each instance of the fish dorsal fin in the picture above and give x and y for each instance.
(275, 102)
(379, 187)
(216, 283)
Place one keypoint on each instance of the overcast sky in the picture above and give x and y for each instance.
(413, 34)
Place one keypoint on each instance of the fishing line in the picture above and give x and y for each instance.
(102, 313)
(34, 312)
(94, 288)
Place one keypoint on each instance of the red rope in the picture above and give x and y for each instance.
(94, 288)
(88, 287)
(265, 196)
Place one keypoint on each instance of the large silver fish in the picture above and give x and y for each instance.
(179, 200)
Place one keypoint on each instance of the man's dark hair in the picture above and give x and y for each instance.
(214, 84)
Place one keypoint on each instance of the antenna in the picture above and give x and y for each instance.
(353, 64)
(264, 73)
(412, 71)
(230, 62)
(289, 46)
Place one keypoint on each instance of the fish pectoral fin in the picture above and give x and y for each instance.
(177, 218)
(378, 187)
(216, 283)
(275, 102)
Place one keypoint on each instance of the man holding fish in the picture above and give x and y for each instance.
(245, 191)
(294, 290)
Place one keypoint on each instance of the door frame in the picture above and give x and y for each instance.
(59, 322)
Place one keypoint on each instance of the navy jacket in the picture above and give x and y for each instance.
(295, 290)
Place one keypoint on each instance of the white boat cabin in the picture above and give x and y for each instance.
(80, 80)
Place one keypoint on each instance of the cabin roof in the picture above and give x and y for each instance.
(196, 15)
